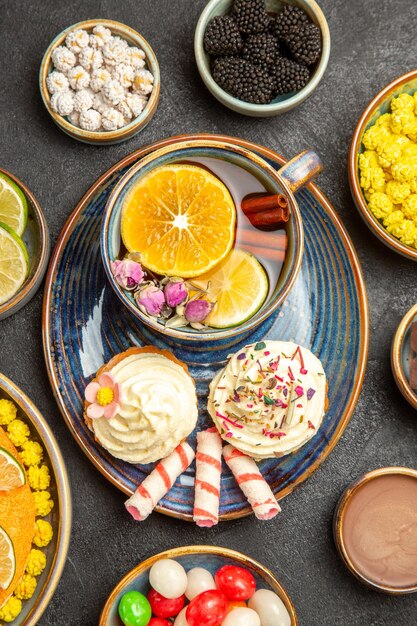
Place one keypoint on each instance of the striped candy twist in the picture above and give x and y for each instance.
(159, 482)
(252, 483)
(208, 475)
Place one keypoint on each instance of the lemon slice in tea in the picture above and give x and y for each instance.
(13, 205)
(238, 285)
(14, 263)
(12, 474)
(7, 559)
(181, 219)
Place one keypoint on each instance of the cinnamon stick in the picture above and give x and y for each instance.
(272, 254)
(262, 238)
(257, 203)
(275, 218)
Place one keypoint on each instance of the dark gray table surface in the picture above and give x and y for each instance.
(372, 43)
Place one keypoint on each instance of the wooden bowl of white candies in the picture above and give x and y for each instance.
(100, 81)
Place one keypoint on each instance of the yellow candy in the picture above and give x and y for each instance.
(43, 503)
(43, 533)
(410, 207)
(374, 136)
(36, 562)
(18, 432)
(397, 192)
(39, 478)
(380, 205)
(390, 150)
(8, 412)
(403, 102)
(393, 219)
(31, 453)
(11, 609)
(26, 588)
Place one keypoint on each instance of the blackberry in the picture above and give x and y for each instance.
(261, 49)
(222, 36)
(291, 18)
(305, 44)
(243, 80)
(251, 16)
(289, 76)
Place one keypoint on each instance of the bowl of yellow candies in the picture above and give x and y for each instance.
(383, 165)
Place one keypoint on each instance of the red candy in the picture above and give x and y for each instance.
(207, 609)
(158, 621)
(165, 607)
(237, 583)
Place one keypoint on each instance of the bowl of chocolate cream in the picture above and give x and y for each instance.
(375, 529)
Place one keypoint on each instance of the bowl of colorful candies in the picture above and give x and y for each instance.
(262, 57)
(199, 586)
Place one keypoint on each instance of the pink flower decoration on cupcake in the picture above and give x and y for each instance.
(104, 397)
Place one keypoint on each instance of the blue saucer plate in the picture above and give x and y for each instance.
(84, 325)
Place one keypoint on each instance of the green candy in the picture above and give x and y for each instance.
(134, 609)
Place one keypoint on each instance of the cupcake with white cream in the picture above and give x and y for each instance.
(141, 405)
(270, 399)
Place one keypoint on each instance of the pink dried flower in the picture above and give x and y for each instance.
(197, 310)
(127, 273)
(104, 397)
(175, 293)
(150, 300)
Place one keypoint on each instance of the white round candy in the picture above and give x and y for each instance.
(63, 59)
(270, 608)
(180, 619)
(242, 617)
(90, 120)
(112, 120)
(78, 77)
(83, 100)
(57, 81)
(199, 580)
(168, 578)
(62, 102)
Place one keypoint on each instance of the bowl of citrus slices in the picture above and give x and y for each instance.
(24, 244)
(181, 252)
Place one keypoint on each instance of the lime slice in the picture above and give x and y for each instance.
(13, 205)
(12, 474)
(14, 263)
(238, 285)
(7, 560)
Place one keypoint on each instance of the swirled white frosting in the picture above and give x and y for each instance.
(269, 399)
(158, 409)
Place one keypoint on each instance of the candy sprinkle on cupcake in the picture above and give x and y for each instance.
(98, 82)
(257, 56)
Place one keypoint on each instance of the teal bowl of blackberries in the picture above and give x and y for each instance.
(262, 57)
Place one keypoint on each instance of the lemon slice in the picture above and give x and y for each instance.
(7, 559)
(14, 263)
(238, 285)
(180, 218)
(13, 205)
(12, 474)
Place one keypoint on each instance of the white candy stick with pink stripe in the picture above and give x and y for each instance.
(252, 483)
(159, 482)
(207, 480)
